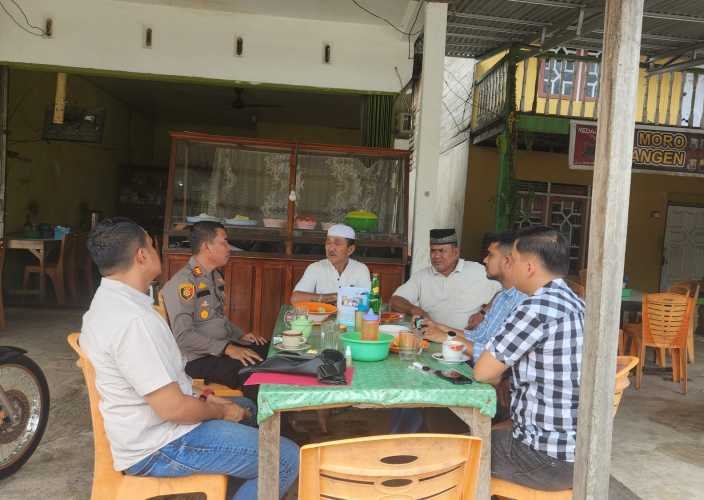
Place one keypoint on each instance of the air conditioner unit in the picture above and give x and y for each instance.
(404, 125)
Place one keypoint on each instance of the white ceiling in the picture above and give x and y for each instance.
(398, 12)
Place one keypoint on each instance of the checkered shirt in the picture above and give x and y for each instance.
(541, 341)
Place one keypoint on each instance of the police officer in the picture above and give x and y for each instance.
(215, 349)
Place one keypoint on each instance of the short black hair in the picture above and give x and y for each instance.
(504, 240)
(113, 243)
(548, 244)
(203, 232)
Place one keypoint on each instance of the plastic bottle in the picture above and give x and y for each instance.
(375, 294)
(348, 356)
(370, 326)
(359, 316)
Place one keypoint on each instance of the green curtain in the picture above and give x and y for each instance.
(377, 121)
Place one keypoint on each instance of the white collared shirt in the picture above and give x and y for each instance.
(451, 299)
(134, 353)
(322, 277)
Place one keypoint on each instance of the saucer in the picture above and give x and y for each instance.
(438, 357)
(302, 347)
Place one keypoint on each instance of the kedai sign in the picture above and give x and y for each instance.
(655, 149)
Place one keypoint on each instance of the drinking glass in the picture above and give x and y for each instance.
(329, 336)
(410, 345)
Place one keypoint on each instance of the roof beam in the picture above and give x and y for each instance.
(676, 51)
(495, 19)
(673, 17)
(677, 67)
(589, 24)
(550, 3)
(493, 29)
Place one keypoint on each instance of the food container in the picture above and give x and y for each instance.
(277, 223)
(367, 350)
(317, 311)
(303, 222)
(362, 220)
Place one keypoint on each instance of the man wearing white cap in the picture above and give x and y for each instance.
(322, 279)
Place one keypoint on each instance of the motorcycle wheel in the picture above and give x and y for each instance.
(26, 388)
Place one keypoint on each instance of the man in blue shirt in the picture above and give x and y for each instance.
(498, 267)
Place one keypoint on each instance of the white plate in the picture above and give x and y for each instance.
(197, 218)
(438, 357)
(241, 222)
(303, 347)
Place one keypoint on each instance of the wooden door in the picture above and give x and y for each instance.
(683, 252)
(239, 287)
(270, 293)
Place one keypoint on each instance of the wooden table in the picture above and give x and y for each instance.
(273, 400)
(631, 305)
(38, 248)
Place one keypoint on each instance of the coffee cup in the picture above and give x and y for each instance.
(292, 338)
(453, 350)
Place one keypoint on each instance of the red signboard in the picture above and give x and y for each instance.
(657, 149)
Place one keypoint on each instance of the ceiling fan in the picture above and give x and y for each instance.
(239, 103)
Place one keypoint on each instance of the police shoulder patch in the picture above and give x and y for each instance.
(186, 291)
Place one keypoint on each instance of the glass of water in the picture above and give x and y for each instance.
(329, 336)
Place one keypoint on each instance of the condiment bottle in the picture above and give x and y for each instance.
(359, 316)
(348, 356)
(370, 326)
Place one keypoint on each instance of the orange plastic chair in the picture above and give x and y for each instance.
(399, 466)
(55, 270)
(109, 484)
(198, 383)
(691, 289)
(666, 318)
(624, 365)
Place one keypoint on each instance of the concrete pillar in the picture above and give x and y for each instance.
(427, 157)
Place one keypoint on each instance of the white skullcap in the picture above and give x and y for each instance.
(342, 230)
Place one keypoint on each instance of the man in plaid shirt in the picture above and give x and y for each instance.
(541, 342)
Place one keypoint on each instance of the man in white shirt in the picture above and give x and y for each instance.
(450, 290)
(321, 280)
(154, 423)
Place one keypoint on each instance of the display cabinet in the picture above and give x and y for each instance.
(276, 200)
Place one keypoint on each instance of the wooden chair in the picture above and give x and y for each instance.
(666, 318)
(577, 288)
(198, 383)
(54, 270)
(399, 466)
(506, 489)
(109, 484)
(2, 268)
(79, 269)
(583, 276)
(691, 289)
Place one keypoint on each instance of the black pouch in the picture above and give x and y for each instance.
(329, 366)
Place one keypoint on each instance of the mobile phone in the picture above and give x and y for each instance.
(419, 323)
(453, 376)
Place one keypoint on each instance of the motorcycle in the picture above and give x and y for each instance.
(24, 408)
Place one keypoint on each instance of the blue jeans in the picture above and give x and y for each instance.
(220, 447)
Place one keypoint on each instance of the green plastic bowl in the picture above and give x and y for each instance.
(367, 350)
(626, 292)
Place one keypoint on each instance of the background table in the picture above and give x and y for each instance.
(384, 384)
(38, 248)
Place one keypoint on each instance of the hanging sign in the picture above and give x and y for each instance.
(669, 150)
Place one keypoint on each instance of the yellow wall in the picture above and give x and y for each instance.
(649, 193)
(60, 175)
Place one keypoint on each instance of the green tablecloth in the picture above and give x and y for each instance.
(386, 383)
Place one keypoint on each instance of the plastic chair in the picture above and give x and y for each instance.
(577, 288)
(507, 489)
(399, 466)
(109, 484)
(55, 270)
(666, 318)
(691, 289)
(198, 383)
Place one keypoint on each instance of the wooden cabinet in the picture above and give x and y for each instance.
(256, 287)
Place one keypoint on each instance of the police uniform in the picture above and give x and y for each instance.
(195, 303)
